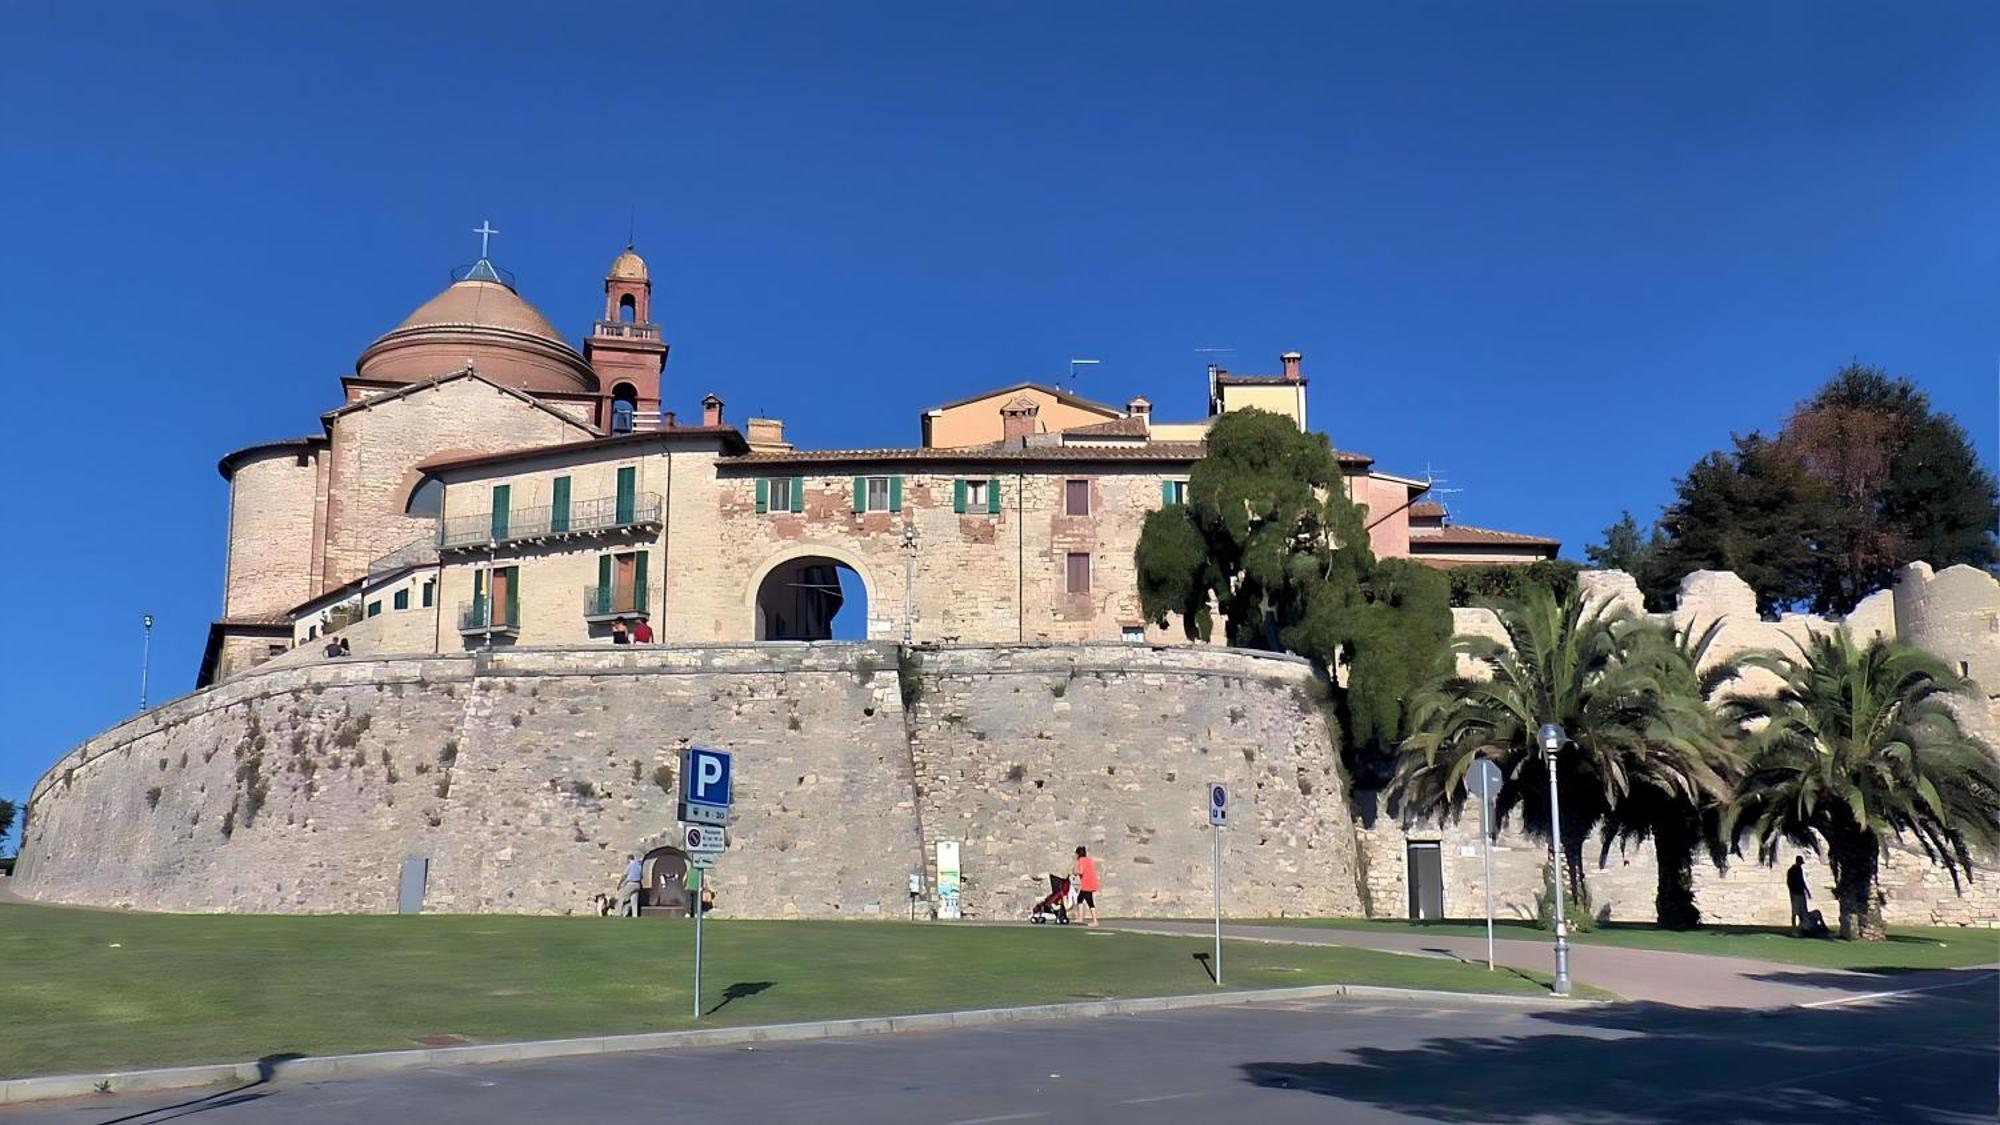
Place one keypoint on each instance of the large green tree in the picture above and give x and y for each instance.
(1269, 541)
(1856, 745)
(7, 811)
(1864, 476)
(1588, 667)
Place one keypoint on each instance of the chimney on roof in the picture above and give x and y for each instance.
(711, 410)
(1018, 418)
(1141, 409)
(1291, 362)
(766, 435)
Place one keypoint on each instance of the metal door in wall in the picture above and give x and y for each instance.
(1426, 872)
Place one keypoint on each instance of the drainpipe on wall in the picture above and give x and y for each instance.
(1020, 559)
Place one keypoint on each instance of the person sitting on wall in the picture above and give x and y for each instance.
(642, 633)
(619, 634)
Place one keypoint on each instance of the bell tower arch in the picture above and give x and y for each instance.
(625, 348)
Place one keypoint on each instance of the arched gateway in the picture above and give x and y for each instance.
(797, 596)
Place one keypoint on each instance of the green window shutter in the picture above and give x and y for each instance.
(514, 596)
(639, 584)
(1167, 493)
(628, 483)
(430, 592)
(958, 496)
(601, 604)
(763, 495)
(993, 497)
(896, 493)
(402, 599)
(374, 608)
(860, 494)
(559, 506)
(502, 498)
(798, 494)
(479, 597)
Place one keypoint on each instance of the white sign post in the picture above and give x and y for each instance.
(706, 793)
(1483, 782)
(1218, 816)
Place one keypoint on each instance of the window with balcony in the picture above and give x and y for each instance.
(1079, 572)
(628, 484)
(559, 506)
(503, 496)
(621, 589)
(1076, 498)
(496, 602)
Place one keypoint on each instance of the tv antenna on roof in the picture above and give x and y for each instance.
(1076, 363)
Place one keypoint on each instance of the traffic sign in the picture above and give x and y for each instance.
(1218, 805)
(702, 861)
(705, 838)
(705, 777)
(1483, 780)
(702, 814)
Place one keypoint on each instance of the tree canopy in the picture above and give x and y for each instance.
(1269, 539)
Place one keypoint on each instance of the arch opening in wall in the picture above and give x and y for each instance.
(427, 499)
(664, 875)
(628, 309)
(624, 408)
(812, 598)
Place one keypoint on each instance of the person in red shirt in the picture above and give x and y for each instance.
(642, 633)
(1084, 876)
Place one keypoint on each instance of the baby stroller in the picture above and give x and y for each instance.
(1055, 906)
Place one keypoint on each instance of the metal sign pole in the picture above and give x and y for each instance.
(701, 885)
(1486, 845)
(1217, 830)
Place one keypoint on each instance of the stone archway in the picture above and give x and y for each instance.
(665, 873)
(796, 594)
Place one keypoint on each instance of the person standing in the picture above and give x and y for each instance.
(1083, 875)
(628, 891)
(619, 635)
(642, 633)
(1795, 882)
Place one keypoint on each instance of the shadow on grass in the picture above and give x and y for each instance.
(267, 1069)
(1923, 1060)
(1206, 966)
(741, 990)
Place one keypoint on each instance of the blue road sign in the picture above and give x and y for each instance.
(705, 777)
(1218, 805)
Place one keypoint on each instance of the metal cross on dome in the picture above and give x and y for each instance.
(485, 231)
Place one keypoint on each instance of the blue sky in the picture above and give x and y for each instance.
(1553, 252)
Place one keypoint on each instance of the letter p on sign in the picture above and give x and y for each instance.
(707, 774)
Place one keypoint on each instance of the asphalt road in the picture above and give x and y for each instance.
(1915, 1058)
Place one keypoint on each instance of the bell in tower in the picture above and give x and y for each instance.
(625, 348)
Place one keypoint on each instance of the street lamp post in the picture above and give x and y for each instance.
(145, 658)
(909, 576)
(1552, 741)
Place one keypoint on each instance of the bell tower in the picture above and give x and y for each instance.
(625, 348)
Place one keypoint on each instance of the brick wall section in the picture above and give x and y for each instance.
(271, 504)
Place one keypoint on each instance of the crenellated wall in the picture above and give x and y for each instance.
(526, 776)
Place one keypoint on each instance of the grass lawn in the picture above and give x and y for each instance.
(1908, 947)
(84, 990)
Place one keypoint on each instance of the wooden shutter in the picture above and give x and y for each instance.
(798, 494)
(514, 596)
(559, 506)
(993, 497)
(628, 482)
(896, 493)
(478, 598)
(958, 496)
(860, 494)
(639, 584)
(601, 604)
(763, 495)
(1167, 493)
(502, 498)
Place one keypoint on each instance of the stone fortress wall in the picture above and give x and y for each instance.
(1954, 614)
(525, 776)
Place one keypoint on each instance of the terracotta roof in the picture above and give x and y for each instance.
(732, 441)
(482, 317)
(1133, 426)
(481, 304)
(1169, 452)
(1224, 378)
(1427, 510)
(461, 373)
(227, 466)
(1060, 396)
(1458, 535)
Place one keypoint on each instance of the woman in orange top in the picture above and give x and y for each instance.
(1084, 874)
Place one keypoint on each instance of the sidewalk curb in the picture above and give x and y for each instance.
(322, 1068)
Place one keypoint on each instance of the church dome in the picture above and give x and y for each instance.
(628, 266)
(480, 319)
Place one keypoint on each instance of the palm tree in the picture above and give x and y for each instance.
(1680, 779)
(1857, 744)
(1565, 662)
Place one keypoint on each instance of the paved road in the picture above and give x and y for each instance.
(1635, 974)
(1918, 1059)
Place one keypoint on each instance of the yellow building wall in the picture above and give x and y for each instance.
(1288, 399)
(979, 422)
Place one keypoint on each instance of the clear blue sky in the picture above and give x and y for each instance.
(1552, 251)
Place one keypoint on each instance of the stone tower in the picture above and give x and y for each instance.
(625, 348)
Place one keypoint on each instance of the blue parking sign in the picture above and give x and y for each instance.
(705, 777)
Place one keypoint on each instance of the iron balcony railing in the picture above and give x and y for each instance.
(472, 618)
(633, 331)
(605, 602)
(419, 552)
(579, 517)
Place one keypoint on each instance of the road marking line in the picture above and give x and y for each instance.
(1161, 1098)
(1867, 996)
(1004, 1117)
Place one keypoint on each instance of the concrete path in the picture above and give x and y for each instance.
(1684, 980)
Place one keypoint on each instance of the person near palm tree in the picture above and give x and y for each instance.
(1795, 882)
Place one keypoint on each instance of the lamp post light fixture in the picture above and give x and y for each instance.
(145, 657)
(909, 577)
(1552, 739)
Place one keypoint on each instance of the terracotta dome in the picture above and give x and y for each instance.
(480, 319)
(628, 266)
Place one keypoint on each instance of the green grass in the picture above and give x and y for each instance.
(1908, 948)
(84, 990)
